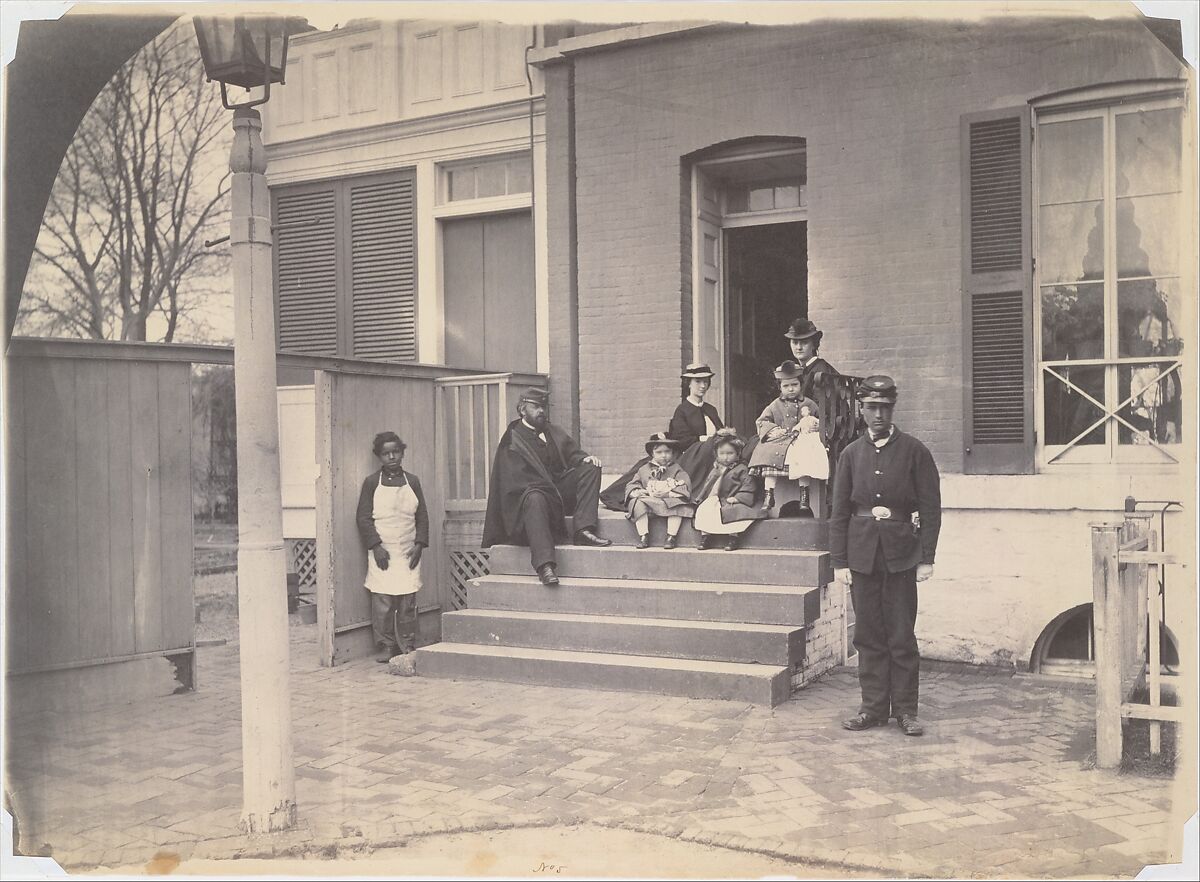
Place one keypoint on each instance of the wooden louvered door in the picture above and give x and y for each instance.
(306, 268)
(998, 384)
(381, 266)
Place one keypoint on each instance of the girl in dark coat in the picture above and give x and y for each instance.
(695, 425)
(725, 497)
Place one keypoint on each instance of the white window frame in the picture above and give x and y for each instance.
(444, 208)
(1154, 456)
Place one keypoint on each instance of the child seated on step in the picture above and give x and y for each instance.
(660, 489)
(725, 499)
(788, 438)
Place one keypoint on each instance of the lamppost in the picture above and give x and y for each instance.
(251, 51)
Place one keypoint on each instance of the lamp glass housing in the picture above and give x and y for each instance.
(243, 50)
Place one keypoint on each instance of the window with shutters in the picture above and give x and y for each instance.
(1109, 292)
(346, 267)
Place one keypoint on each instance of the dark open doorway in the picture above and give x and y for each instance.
(767, 287)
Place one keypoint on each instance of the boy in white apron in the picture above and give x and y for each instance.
(394, 524)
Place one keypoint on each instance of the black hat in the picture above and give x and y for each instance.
(802, 329)
(660, 438)
(697, 371)
(877, 389)
(534, 395)
(789, 370)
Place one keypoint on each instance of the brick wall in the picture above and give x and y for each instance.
(823, 648)
(879, 105)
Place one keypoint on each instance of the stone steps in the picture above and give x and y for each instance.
(695, 678)
(779, 645)
(746, 566)
(784, 534)
(657, 599)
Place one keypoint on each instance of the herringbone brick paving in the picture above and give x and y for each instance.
(998, 786)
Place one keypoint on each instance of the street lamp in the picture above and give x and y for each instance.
(249, 51)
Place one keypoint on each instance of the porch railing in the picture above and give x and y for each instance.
(841, 416)
(1128, 622)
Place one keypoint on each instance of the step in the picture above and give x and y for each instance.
(628, 635)
(758, 684)
(746, 566)
(641, 598)
(796, 534)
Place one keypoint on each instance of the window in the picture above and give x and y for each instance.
(1074, 284)
(487, 179)
(345, 267)
(1109, 293)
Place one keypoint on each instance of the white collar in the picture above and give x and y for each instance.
(532, 429)
(881, 441)
(692, 401)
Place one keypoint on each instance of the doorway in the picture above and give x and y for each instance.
(766, 287)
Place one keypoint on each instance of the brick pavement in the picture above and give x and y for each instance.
(1000, 784)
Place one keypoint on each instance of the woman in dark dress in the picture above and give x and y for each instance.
(695, 425)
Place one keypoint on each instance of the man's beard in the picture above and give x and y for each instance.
(538, 422)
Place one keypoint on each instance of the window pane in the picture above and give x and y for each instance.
(1073, 322)
(1067, 411)
(519, 175)
(762, 198)
(1157, 407)
(787, 197)
(738, 199)
(490, 180)
(1071, 161)
(1148, 151)
(1071, 242)
(462, 183)
(1148, 313)
(1148, 236)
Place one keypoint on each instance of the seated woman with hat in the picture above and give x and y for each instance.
(695, 425)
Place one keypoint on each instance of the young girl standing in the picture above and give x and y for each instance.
(394, 524)
(660, 489)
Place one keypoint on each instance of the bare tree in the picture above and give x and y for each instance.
(141, 186)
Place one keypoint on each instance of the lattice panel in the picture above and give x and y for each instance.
(465, 565)
(304, 563)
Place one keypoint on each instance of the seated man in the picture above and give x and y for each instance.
(539, 472)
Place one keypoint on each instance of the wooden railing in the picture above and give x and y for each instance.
(841, 416)
(472, 414)
(1128, 615)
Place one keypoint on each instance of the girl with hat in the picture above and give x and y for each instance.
(726, 496)
(779, 430)
(695, 425)
(659, 489)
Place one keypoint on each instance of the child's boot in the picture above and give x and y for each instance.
(644, 541)
(731, 544)
(702, 545)
(769, 501)
(672, 541)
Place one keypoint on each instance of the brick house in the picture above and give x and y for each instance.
(966, 206)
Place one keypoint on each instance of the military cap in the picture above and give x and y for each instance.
(789, 370)
(660, 438)
(802, 329)
(697, 371)
(535, 395)
(877, 389)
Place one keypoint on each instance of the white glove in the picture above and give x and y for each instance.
(924, 571)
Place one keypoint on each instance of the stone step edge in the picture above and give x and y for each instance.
(566, 656)
(584, 582)
(637, 621)
(681, 552)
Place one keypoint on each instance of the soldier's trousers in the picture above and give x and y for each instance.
(885, 616)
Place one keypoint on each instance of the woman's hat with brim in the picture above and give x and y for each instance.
(877, 389)
(697, 371)
(789, 370)
(660, 438)
(803, 329)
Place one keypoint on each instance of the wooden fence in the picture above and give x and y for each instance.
(99, 506)
(1128, 623)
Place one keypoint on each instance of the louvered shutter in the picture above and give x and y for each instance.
(382, 251)
(997, 293)
(306, 269)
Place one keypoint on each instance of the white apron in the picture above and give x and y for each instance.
(395, 510)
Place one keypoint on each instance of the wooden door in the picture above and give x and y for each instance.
(708, 319)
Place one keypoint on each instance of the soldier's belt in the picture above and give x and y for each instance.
(881, 513)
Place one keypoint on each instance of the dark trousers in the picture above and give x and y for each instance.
(885, 616)
(580, 491)
(394, 620)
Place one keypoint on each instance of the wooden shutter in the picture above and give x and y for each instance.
(382, 259)
(306, 270)
(998, 386)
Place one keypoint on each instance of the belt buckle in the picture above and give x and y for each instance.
(881, 512)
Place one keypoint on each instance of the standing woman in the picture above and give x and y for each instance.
(394, 524)
(695, 425)
(805, 339)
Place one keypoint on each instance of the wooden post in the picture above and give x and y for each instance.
(269, 797)
(1153, 604)
(1106, 609)
(327, 552)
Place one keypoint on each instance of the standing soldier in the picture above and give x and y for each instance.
(887, 513)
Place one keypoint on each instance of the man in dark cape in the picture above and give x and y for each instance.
(538, 473)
